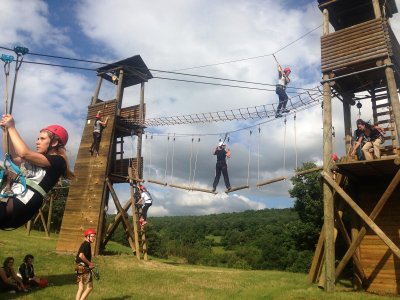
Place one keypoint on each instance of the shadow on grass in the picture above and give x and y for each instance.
(119, 298)
(54, 280)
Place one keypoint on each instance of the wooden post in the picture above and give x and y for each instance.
(329, 223)
(393, 96)
(96, 92)
(135, 214)
(347, 124)
(120, 91)
(139, 135)
(50, 213)
(377, 9)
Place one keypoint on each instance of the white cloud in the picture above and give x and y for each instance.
(172, 35)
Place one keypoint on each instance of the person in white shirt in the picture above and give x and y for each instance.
(146, 201)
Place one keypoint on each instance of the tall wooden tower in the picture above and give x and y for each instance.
(95, 176)
(361, 61)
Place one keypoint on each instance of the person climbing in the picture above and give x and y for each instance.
(222, 153)
(281, 90)
(146, 201)
(30, 175)
(369, 139)
(84, 265)
(98, 127)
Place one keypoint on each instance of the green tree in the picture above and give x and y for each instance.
(309, 205)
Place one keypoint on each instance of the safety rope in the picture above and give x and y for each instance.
(195, 162)
(20, 51)
(284, 146)
(172, 159)
(248, 161)
(258, 154)
(190, 161)
(166, 159)
(295, 137)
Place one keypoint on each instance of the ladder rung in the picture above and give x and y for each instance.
(384, 121)
(382, 105)
(385, 113)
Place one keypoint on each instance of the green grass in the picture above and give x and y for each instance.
(124, 277)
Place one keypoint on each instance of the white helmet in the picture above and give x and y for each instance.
(220, 144)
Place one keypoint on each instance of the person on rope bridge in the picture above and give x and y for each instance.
(146, 201)
(27, 175)
(369, 138)
(98, 127)
(281, 90)
(222, 153)
(84, 265)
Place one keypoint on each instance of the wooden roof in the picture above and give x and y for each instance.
(346, 13)
(135, 71)
(372, 168)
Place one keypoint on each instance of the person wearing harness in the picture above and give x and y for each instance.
(32, 174)
(281, 90)
(98, 127)
(146, 201)
(222, 153)
(369, 137)
(84, 265)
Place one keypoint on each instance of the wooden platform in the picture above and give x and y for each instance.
(368, 180)
(83, 206)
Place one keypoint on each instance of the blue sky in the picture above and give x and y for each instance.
(171, 35)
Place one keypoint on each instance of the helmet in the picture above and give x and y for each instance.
(98, 116)
(335, 157)
(89, 231)
(287, 70)
(43, 282)
(59, 131)
(220, 144)
(141, 187)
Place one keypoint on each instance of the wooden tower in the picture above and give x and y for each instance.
(95, 176)
(361, 60)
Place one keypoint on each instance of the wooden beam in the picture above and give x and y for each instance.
(394, 97)
(304, 172)
(262, 183)
(242, 187)
(375, 212)
(156, 182)
(127, 225)
(180, 186)
(113, 225)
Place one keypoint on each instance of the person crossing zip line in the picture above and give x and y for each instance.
(281, 90)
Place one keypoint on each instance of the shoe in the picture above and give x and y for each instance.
(213, 190)
(278, 115)
(91, 152)
(229, 188)
(285, 110)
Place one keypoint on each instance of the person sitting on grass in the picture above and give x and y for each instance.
(9, 281)
(28, 273)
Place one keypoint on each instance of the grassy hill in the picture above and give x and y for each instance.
(124, 277)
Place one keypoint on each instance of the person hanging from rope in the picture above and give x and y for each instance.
(30, 175)
(84, 265)
(281, 90)
(369, 138)
(146, 201)
(98, 127)
(222, 153)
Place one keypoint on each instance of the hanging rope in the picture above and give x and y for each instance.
(195, 162)
(7, 59)
(20, 51)
(166, 160)
(295, 137)
(258, 154)
(190, 161)
(284, 146)
(248, 161)
(172, 158)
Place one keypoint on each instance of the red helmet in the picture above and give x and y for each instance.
(141, 187)
(43, 282)
(287, 70)
(89, 231)
(98, 116)
(59, 131)
(335, 157)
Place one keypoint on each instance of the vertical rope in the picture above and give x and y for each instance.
(248, 161)
(195, 161)
(172, 158)
(166, 159)
(295, 137)
(258, 155)
(284, 146)
(190, 164)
